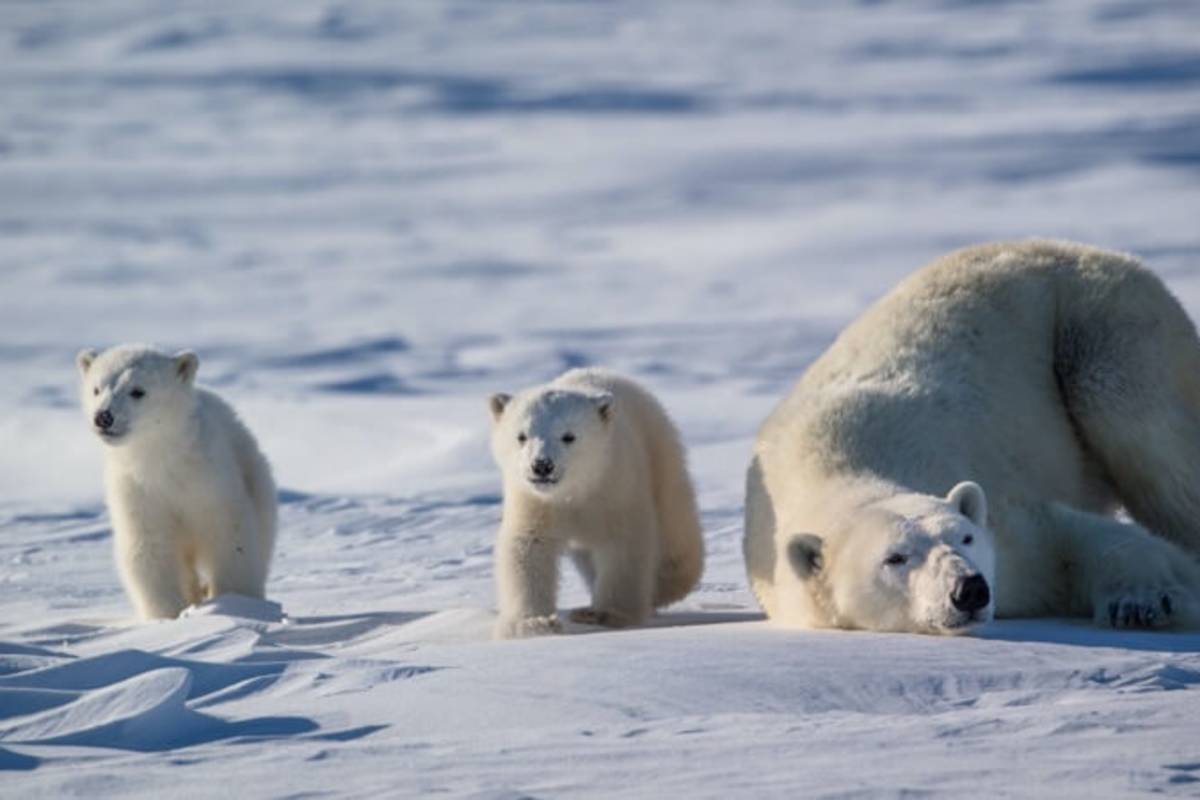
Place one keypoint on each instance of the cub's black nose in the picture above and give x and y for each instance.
(543, 467)
(971, 593)
(103, 419)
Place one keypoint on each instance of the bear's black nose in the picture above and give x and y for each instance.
(542, 467)
(971, 593)
(103, 420)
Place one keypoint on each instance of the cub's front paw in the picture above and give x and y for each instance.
(523, 627)
(597, 616)
(1137, 608)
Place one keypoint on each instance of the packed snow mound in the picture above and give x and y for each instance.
(410, 685)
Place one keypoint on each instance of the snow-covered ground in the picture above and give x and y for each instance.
(367, 216)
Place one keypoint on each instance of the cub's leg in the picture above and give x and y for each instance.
(623, 592)
(256, 476)
(526, 584)
(149, 559)
(1125, 576)
(233, 549)
(682, 541)
(195, 591)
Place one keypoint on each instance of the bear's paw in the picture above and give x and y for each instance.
(1143, 607)
(524, 627)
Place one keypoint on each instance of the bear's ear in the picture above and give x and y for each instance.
(186, 363)
(967, 498)
(604, 404)
(804, 554)
(84, 360)
(497, 402)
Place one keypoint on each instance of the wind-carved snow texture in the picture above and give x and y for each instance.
(366, 217)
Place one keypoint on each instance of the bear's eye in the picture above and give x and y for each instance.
(896, 560)
(522, 438)
(95, 391)
(567, 438)
(968, 538)
(137, 393)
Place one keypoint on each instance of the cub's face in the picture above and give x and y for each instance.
(130, 392)
(553, 442)
(912, 563)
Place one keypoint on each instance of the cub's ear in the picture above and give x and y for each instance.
(84, 360)
(604, 404)
(497, 402)
(804, 554)
(186, 363)
(967, 498)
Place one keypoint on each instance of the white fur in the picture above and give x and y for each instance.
(618, 500)
(1064, 379)
(190, 496)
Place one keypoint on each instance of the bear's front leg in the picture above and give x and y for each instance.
(1129, 577)
(1140, 583)
(624, 586)
(148, 549)
(152, 569)
(526, 584)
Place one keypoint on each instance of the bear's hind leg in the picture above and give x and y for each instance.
(1129, 373)
(682, 542)
(1123, 575)
(195, 591)
(236, 563)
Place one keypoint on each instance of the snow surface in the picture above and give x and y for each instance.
(367, 216)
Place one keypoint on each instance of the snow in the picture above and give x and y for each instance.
(366, 217)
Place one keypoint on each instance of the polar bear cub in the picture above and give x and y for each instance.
(190, 496)
(1061, 379)
(593, 467)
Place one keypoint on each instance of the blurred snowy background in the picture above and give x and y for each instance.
(367, 216)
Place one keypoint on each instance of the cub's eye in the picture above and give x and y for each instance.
(970, 537)
(522, 438)
(896, 560)
(95, 391)
(567, 438)
(137, 393)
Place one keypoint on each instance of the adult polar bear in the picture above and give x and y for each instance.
(1064, 379)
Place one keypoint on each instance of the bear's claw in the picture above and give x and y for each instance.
(595, 616)
(1140, 610)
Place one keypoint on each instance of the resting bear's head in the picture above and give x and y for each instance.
(553, 442)
(909, 562)
(130, 392)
